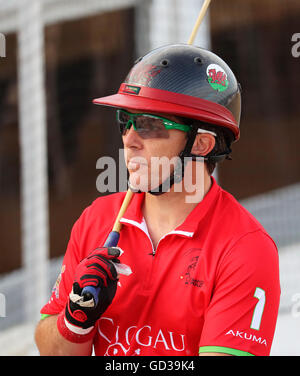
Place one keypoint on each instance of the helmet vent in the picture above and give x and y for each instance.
(198, 60)
(164, 63)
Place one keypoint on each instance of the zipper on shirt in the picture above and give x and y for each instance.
(143, 226)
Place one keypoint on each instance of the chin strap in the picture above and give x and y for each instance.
(177, 175)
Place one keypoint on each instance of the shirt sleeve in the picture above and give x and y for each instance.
(242, 314)
(64, 282)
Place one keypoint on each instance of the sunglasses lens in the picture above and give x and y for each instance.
(146, 126)
(150, 127)
(123, 119)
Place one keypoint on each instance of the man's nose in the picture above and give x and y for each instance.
(131, 138)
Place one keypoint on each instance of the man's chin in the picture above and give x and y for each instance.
(138, 183)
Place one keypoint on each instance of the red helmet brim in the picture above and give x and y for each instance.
(165, 102)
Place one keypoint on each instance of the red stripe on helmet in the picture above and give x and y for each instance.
(167, 102)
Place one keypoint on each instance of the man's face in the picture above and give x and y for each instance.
(151, 160)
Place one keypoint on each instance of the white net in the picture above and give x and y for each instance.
(278, 211)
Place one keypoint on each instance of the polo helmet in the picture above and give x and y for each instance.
(183, 80)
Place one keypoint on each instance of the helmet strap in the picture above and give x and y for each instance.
(177, 175)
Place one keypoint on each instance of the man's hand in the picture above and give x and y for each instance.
(77, 322)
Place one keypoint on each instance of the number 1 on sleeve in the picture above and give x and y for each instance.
(259, 308)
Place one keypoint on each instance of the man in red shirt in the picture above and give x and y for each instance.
(205, 276)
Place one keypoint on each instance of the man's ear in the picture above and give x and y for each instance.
(203, 144)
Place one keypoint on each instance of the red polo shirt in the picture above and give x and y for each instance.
(211, 285)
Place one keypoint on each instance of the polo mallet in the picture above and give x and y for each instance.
(112, 240)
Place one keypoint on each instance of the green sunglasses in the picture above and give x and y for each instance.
(146, 125)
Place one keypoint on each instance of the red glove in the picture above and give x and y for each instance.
(77, 322)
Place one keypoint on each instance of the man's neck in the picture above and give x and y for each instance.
(163, 213)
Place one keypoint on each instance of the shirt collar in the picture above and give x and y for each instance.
(190, 225)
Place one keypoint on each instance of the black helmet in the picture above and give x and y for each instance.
(182, 80)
